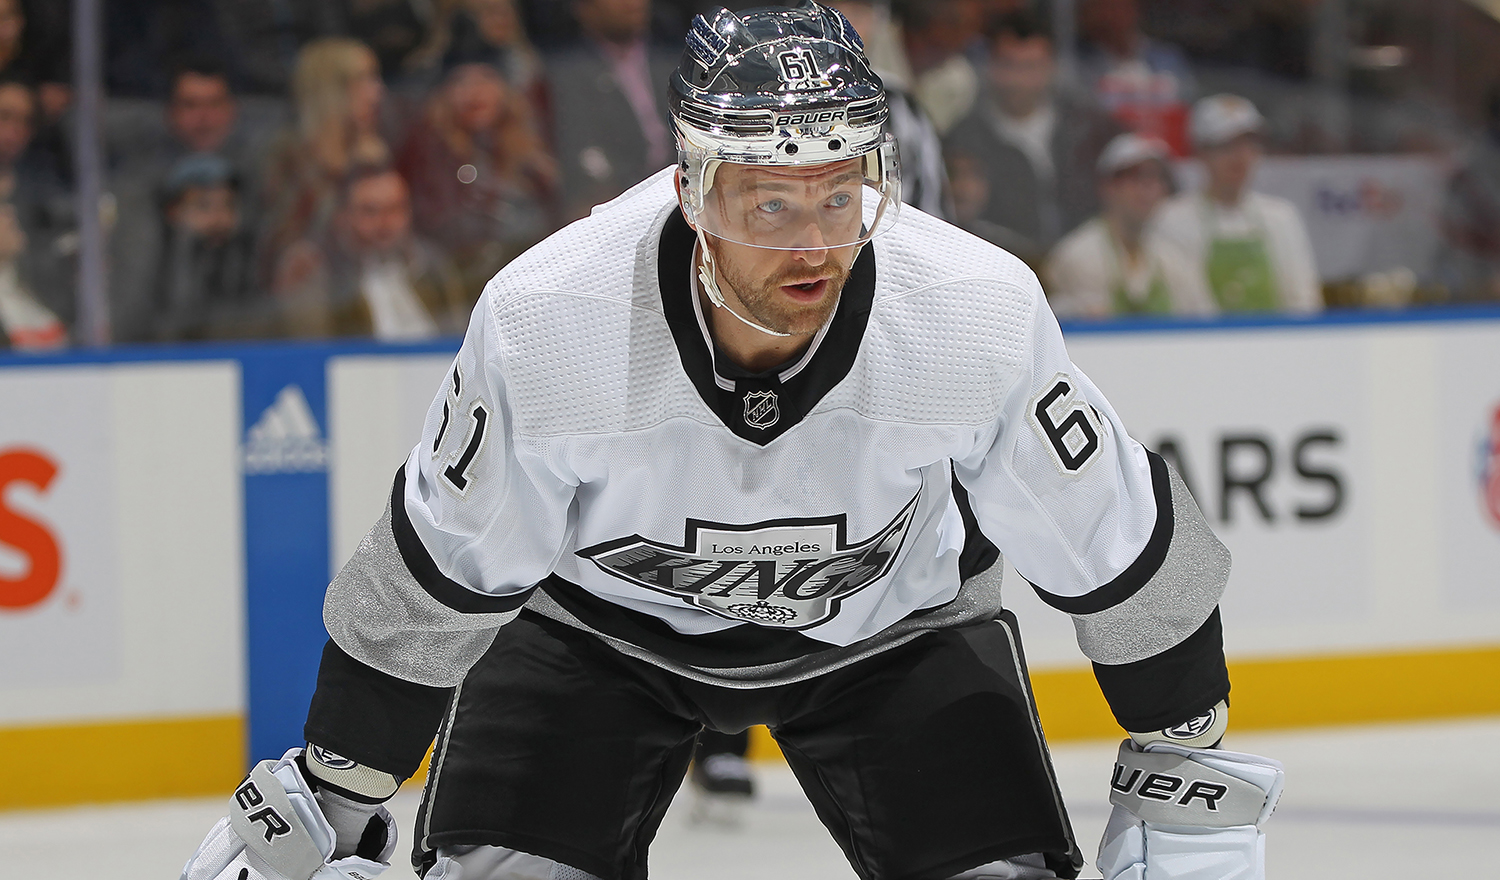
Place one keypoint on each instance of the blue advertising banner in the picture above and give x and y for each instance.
(286, 541)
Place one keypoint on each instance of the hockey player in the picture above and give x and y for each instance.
(733, 450)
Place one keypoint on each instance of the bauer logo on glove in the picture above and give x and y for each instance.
(1164, 787)
(249, 797)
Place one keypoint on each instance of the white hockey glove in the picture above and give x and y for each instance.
(1183, 813)
(275, 830)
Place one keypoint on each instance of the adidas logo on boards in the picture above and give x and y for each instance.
(285, 439)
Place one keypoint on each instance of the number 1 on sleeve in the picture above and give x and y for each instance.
(457, 473)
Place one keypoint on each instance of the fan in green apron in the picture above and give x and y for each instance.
(1117, 264)
(1133, 181)
(1238, 263)
(1152, 299)
(1239, 269)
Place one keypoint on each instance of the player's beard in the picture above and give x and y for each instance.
(766, 306)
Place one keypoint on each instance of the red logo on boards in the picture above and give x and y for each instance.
(36, 544)
(1489, 469)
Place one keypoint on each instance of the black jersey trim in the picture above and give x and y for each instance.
(371, 717)
(798, 395)
(1132, 579)
(979, 552)
(1168, 688)
(426, 573)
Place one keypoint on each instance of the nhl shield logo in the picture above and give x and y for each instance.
(760, 409)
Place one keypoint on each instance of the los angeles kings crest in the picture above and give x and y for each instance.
(787, 574)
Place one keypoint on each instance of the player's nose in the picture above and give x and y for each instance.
(813, 247)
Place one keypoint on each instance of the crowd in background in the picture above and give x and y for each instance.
(362, 167)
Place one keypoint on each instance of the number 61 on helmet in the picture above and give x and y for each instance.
(783, 89)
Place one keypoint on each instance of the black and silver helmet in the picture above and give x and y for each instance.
(782, 86)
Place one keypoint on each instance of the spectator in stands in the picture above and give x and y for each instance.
(18, 117)
(142, 39)
(202, 110)
(935, 35)
(367, 274)
(38, 237)
(924, 181)
(202, 119)
(25, 324)
(202, 116)
(203, 284)
(480, 176)
(41, 60)
(491, 31)
(970, 186)
(1145, 84)
(1115, 264)
(1036, 145)
(395, 30)
(608, 109)
(552, 25)
(338, 91)
(1254, 248)
(883, 37)
(1469, 259)
(265, 38)
(32, 60)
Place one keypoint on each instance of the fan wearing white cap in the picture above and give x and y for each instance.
(1115, 264)
(1253, 247)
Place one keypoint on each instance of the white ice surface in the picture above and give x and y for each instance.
(1391, 801)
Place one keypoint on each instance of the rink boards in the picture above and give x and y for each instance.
(169, 517)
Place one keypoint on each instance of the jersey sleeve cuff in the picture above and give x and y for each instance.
(370, 718)
(1166, 689)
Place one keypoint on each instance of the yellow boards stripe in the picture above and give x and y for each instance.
(123, 760)
(95, 763)
(1365, 688)
(1304, 691)
(1290, 692)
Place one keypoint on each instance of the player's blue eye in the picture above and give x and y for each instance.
(774, 206)
(840, 200)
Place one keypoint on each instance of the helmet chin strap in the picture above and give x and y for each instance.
(708, 277)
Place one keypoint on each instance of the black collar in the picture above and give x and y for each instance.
(761, 407)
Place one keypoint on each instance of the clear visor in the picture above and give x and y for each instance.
(801, 207)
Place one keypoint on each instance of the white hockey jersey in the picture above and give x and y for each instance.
(585, 459)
